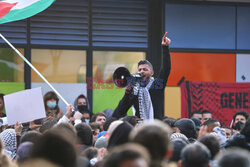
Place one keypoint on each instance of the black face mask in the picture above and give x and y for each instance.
(82, 108)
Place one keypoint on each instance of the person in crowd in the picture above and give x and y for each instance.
(53, 112)
(239, 120)
(96, 129)
(179, 142)
(195, 155)
(30, 136)
(11, 139)
(67, 131)
(51, 106)
(234, 157)
(23, 151)
(213, 145)
(55, 149)
(228, 131)
(239, 141)
(241, 116)
(47, 125)
(120, 135)
(187, 127)
(211, 124)
(246, 131)
(5, 161)
(99, 118)
(196, 114)
(85, 136)
(82, 105)
(127, 155)
(154, 136)
(133, 120)
(197, 123)
(2, 112)
(206, 115)
(169, 121)
(147, 96)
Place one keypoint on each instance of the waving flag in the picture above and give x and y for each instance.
(12, 10)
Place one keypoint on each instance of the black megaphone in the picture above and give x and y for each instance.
(122, 77)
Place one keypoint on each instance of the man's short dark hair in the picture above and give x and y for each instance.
(210, 122)
(243, 113)
(145, 62)
(108, 122)
(206, 112)
(212, 143)
(195, 155)
(84, 133)
(195, 112)
(132, 120)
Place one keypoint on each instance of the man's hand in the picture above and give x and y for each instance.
(129, 88)
(18, 128)
(77, 115)
(69, 110)
(165, 40)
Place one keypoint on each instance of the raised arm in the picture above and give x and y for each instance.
(166, 61)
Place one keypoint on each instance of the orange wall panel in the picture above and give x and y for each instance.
(216, 67)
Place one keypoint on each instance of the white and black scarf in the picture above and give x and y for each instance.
(145, 104)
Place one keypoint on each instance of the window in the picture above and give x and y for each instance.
(11, 71)
(105, 93)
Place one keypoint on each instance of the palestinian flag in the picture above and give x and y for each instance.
(12, 10)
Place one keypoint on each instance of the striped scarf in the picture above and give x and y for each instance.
(145, 104)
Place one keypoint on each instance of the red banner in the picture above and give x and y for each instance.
(221, 99)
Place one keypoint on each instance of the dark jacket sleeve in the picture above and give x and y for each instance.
(125, 103)
(165, 66)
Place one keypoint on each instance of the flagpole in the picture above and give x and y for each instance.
(38, 73)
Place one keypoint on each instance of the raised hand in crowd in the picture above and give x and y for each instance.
(165, 40)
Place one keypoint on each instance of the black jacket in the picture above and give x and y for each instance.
(156, 92)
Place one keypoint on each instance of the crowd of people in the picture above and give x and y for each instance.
(79, 138)
(84, 139)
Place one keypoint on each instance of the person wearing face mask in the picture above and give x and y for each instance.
(53, 112)
(82, 105)
(51, 106)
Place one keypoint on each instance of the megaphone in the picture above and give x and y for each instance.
(122, 77)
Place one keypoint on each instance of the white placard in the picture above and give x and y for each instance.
(242, 68)
(24, 106)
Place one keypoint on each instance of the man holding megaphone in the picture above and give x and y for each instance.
(147, 95)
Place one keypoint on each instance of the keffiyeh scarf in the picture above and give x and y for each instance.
(8, 137)
(145, 104)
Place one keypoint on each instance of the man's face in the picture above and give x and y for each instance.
(100, 120)
(228, 132)
(240, 118)
(206, 116)
(81, 101)
(86, 116)
(199, 116)
(145, 70)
